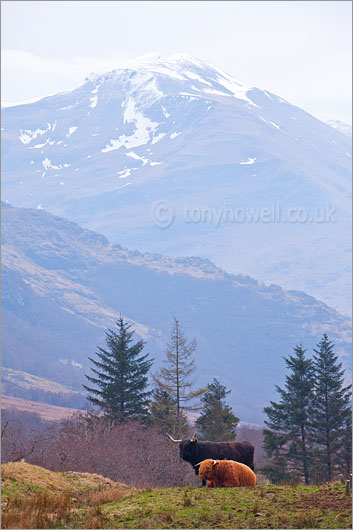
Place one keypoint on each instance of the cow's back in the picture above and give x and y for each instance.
(239, 451)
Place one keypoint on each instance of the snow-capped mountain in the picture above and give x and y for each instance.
(342, 127)
(177, 157)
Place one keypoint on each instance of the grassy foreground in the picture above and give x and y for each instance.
(33, 497)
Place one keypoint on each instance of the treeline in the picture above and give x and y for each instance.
(123, 436)
(307, 436)
(119, 387)
(309, 431)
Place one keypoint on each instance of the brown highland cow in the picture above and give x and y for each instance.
(226, 474)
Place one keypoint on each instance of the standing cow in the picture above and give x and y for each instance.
(194, 452)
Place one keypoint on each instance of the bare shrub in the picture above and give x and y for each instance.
(133, 454)
(255, 436)
(22, 434)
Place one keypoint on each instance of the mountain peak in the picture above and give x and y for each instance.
(182, 68)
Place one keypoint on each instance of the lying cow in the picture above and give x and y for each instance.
(226, 473)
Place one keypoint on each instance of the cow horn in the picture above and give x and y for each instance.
(175, 441)
(193, 438)
(198, 464)
(214, 462)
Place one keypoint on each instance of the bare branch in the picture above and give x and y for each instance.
(4, 429)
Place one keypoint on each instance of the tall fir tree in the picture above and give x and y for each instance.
(120, 376)
(344, 457)
(216, 421)
(331, 415)
(174, 376)
(286, 441)
(164, 415)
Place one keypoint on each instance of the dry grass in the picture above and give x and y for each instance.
(39, 511)
(52, 480)
(110, 495)
(34, 497)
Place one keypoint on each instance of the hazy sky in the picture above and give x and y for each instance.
(298, 50)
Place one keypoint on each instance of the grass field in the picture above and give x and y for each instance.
(33, 497)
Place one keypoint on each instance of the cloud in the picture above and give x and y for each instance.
(43, 76)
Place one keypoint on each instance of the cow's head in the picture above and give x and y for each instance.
(187, 448)
(207, 468)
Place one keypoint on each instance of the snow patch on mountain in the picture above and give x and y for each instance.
(342, 127)
(249, 161)
(197, 77)
(93, 101)
(48, 165)
(131, 154)
(157, 138)
(71, 131)
(124, 173)
(144, 128)
(26, 136)
(239, 90)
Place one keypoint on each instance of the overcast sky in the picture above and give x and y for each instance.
(298, 50)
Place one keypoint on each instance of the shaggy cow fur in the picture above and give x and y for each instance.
(226, 474)
(194, 451)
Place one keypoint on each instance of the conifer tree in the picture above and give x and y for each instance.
(174, 376)
(120, 376)
(344, 457)
(331, 414)
(286, 440)
(164, 415)
(216, 421)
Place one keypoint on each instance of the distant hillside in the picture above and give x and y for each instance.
(23, 385)
(45, 411)
(63, 286)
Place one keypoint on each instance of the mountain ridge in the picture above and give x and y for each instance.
(63, 286)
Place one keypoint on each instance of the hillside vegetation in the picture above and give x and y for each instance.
(33, 497)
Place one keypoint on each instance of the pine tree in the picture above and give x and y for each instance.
(217, 421)
(174, 376)
(164, 415)
(120, 376)
(331, 411)
(344, 457)
(286, 440)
